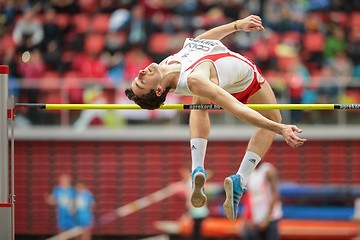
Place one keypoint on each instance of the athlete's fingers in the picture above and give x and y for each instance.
(296, 129)
(298, 140)
(252, 28)
(292, 139)
(257, 19)
(256, 26)
(294, 143)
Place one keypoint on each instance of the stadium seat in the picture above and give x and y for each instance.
(355, 19)
(341, 18)
(313, 42)
(80, 22)
(291, 36)
(88, 6)
(62, 20)
(159, 43)
(6, 43)
(100, 23)
(94, 43)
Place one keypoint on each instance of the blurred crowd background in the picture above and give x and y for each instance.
(87, 51)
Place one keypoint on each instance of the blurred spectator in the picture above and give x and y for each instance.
(262, 206)
(84, 204)
(328, 87)
(353, 46)
(312, 49)
(335, 42)
(272, 17)
(297, 78)
(294, 15)
(353, 51)
(10, 58)
(263, 50)
(185, 12)
(64, 6)
(28, 32)
(7, 13)
(34, 5)
(213, 17)
(63, 197)
(342, 68)
(319, 5)
(137, 33)
(232, 8)
(153, 7)
(175, 24)
(113, 56)
(52, 42)
(107, 6)
(119, 19)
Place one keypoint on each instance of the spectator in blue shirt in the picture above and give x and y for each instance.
(84, 203)
(63, 196)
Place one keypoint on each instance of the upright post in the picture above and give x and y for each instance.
(5, 204)
(4, 147)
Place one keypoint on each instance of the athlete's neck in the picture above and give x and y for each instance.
(170, 75)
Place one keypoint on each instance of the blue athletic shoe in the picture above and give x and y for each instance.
(234, 192)
(198, 198)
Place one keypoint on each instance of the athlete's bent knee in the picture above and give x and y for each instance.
(275, 116)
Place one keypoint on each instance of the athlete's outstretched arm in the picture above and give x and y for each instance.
(247, 24)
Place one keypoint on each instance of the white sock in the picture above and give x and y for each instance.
(198, 151)
(247, 166)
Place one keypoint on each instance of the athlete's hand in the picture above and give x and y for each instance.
(250, 23)
(288, 133)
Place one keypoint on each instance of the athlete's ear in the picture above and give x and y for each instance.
(159, 90)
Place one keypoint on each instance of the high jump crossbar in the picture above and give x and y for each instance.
(55, 106)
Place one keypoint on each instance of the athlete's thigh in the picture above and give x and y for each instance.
(266, 96)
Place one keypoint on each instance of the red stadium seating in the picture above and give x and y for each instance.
(81, 23)
(159, 43)
(100, 23)
(355, 20)
(313, 42)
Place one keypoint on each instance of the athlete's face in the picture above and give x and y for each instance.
(147, 79)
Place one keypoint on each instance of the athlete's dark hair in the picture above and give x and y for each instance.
(149, 100)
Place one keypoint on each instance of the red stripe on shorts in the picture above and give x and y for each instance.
(250, 90)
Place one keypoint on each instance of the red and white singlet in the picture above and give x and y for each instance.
(236, 73)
